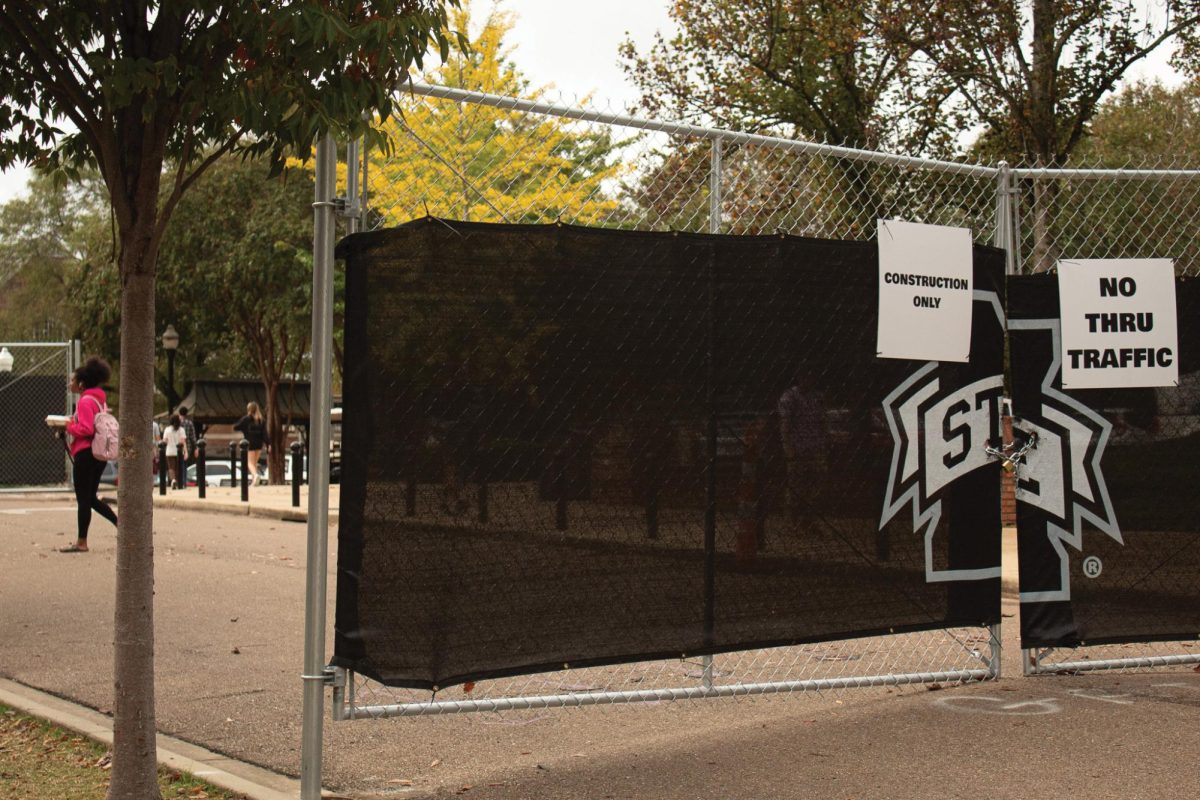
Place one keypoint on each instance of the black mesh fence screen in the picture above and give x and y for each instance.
(29, 453)
(1108, 509)
(569, 446)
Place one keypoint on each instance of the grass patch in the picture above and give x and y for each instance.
(39, 761)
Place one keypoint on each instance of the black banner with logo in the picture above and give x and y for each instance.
(1108, 507)
(569, 446)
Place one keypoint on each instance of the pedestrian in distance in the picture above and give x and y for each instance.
(191, 451)
(86, 469)
(176, 441)
(254, 429)
(155, 437)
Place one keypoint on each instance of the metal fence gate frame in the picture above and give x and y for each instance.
(1012, 221)
(68, 354)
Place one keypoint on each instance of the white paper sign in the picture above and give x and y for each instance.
(1119, 327)
(925, 292)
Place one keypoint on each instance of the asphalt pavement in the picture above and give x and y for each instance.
(229, 635)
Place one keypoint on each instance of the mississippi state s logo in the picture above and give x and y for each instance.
(1061, 478)
(940, 429)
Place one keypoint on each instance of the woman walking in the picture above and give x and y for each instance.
(254, 428)
(176, 440)
(87, 469)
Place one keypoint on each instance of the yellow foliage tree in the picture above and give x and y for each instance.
(484, 164)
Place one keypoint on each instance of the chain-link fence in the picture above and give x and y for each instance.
(476, 157)
(1146, 210)
(33, 385)
(472, 157)
(469, 156)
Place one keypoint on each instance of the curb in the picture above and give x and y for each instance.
(228, 773)
(287, 514)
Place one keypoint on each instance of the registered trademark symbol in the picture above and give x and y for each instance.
(1092, 567)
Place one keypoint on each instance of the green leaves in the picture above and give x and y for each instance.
(76, 77)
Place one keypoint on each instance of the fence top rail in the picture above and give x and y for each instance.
(35, 344)
(684, 129)
(1103, 174)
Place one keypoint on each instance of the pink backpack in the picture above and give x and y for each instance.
(106, 438)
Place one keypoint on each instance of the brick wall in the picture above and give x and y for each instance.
(1008, 492)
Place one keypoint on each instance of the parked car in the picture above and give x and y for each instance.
(218, 473)
(109, 476)
(335, 468)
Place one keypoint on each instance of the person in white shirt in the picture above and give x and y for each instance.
(176, 440)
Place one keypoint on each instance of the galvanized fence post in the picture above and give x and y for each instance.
(1004, 236)
(714, 226)
(315, 677)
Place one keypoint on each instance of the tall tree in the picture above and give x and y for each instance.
(240, 268)
(817, 70)
(483, 164)
(1035, 71)
(489, 164)
(47, 234)
(125, 87)
(802, 68)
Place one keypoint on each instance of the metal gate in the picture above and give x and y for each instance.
(684, 177)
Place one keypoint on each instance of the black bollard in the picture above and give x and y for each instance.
(162, 468)
(244, 449)
(233, 462)
(297, 472)
(201, 482)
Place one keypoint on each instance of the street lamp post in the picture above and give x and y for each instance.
(170, 343)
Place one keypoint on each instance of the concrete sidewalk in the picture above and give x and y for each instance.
(270, 502)
(230, 582)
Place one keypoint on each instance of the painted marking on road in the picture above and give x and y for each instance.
(1103, 697)
(23, 511)
(1178, 685)
(983, 704)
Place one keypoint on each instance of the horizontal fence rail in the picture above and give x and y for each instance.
(1038, 661)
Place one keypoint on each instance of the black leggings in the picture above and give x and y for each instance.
(86, 473)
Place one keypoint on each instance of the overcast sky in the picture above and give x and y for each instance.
(573, 45)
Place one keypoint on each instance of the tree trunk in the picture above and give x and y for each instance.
(135, 763)
(865, 204)
(275, 435)
(1041, 132)
(1045, 251)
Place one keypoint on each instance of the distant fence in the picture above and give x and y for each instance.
(35, 387)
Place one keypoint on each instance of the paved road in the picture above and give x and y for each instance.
(229, 637)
